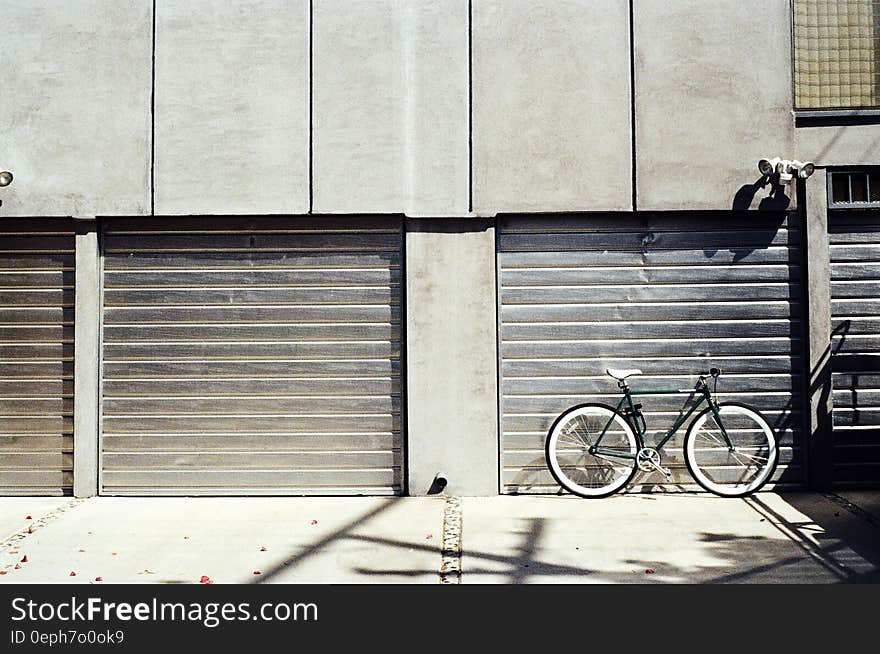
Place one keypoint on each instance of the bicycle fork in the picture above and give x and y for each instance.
(717, 415)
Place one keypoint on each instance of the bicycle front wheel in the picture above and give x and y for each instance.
(736, 469)
(577, 469)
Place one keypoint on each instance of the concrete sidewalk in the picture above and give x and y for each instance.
(631, 538)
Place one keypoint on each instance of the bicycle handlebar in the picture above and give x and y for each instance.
(713, 372)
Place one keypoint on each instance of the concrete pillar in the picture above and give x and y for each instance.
(86, 366)
(451, 355)
(817, 296)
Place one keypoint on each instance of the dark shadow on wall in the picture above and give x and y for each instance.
(759, 231)
(775, 200)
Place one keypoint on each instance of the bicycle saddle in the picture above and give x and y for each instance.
(620, 375)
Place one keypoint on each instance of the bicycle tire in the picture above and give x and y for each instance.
(562, 456)
(735, 472)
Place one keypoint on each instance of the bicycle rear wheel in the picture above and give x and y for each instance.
(568, 445)
(736, 470)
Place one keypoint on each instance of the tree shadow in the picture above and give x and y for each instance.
(339, 534)
(845, 551)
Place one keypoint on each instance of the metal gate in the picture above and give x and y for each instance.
(669, 294)
(252, 357)
(37, 261)
(854, 248)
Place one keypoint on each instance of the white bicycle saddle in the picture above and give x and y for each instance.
(620, 375)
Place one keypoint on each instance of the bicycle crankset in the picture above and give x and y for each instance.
(648, 460)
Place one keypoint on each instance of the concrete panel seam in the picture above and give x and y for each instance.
(470, 106)
(153, 117)
(311, 108)
(632, 107)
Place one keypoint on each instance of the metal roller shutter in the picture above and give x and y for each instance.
(671, 295)
(37, 259)
(252, 357)
(854, 244)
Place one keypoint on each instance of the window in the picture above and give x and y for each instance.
(836, 54)
(854, 189)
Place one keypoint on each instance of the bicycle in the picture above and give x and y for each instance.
(594, 450)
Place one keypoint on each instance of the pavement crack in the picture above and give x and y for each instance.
(450, 566)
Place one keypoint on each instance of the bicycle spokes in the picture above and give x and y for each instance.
(740, 467)
(575, 461)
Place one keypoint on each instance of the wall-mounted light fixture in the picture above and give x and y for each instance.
(785, 169)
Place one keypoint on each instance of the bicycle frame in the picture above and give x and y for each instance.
(640, 430)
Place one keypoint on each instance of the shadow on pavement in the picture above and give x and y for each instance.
(836, 546)
(847, 537)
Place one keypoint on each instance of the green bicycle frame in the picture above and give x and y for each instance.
(642, 429)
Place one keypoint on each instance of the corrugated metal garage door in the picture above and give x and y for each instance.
(855, 310)
(669, 295)
(252, 357)
(37, 260)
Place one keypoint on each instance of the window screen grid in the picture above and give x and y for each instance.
(836, 50)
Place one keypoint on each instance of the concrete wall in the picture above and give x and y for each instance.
(713, 96)
(451, 356)
(441, 108)
(551, 106)
(75, 107)
(390, 110)
(839, 145)
(388, 85)
(232, 107)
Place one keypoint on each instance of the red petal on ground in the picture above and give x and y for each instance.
(205, 579)
(24, 559)
(429, 536)
(30, 531)
(2, 572)
(81, 550)
(27, 517)
(114, 553)
(262, 549)
(17, 567)
(72, 573)
(649, 571)
(257, 572)
(314, 522)
(99, 578)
